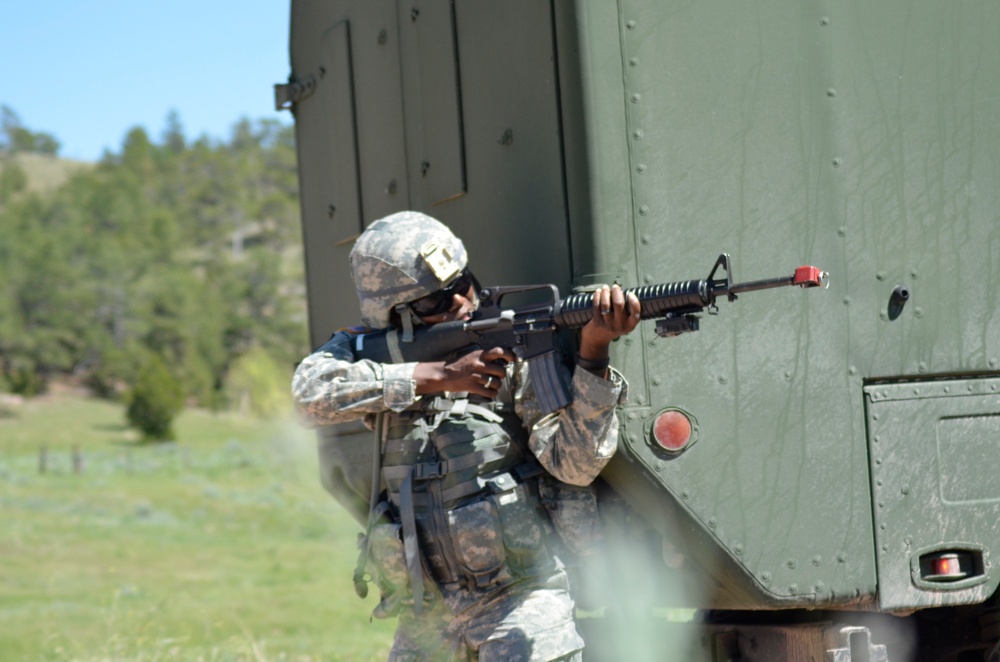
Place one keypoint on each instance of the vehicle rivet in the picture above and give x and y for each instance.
(877, 439)
(738, 549)
(883, 316)
(630, 25)
(825, 21)
(637, 134)
(645, 239)
(711, 522)
(643, 210)
(793, 589)
(921, 367)
(819, 587)
(831, 92)
(722, 379)
(879, 482)
(648, 278)
(882, 526)
(636, 98)
(765, 577)
(852, 370)
(685, 494)
(817, 560)
(836, 162)
(640, 168)
(847, 301)
(791, 563)
(842, 231)
(880, 275)
(841, 558)
(905, 490)
(656, 381)
(633, 62)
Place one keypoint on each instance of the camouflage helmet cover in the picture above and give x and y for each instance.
(401, 258)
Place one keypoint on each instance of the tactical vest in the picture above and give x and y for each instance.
(461, 500)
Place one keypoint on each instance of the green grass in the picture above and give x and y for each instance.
(222, 546)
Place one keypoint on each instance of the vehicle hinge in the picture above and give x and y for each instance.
(286, 95)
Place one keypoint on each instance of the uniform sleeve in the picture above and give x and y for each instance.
(576, 442)
(330, 387)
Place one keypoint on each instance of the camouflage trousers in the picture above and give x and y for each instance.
(531, 619)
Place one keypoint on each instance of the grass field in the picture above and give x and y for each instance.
(221, 546)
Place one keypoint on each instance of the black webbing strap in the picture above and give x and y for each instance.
(411, 549)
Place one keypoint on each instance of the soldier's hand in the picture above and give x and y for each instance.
(479, 372)
(615, 315)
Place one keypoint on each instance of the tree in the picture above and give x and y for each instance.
(14, 137)
(155, 401)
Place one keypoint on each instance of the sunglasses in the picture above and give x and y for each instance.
(441, 301)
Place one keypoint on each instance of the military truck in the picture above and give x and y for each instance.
(834, 492)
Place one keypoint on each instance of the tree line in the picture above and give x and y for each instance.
(171, 257)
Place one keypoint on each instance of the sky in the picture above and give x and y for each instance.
(89, 71)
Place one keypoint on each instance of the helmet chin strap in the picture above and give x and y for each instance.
(407, 318)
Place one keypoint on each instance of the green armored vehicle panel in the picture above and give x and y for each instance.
(823, 456)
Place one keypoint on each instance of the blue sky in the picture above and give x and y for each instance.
(88, 71)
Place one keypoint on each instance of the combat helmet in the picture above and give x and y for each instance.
(401, 258)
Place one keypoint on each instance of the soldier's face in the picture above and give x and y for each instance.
(461, 307)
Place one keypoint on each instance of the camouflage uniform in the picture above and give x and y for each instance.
(492, 587)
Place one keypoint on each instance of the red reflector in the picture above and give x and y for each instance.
(946, 566)
(672, 430)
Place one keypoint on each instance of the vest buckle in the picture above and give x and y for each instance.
(429, 470)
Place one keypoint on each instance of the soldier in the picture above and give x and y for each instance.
(475, 477)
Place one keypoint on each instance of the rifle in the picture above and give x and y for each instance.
(532, 327)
